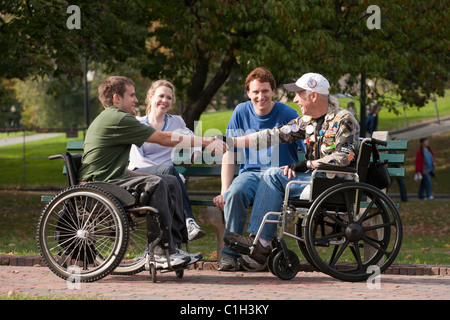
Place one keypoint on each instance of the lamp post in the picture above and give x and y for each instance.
(88, 77)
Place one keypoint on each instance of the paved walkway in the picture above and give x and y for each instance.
(215, 285)
(19, 139)
(422, 130)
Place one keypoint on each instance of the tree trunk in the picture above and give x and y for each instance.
(199, 96)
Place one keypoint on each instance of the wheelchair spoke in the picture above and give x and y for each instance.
(375, 243)
(335, 257)
(357, 254)
(335, 219)
(379, 226)
(368, 209)
(349, 206)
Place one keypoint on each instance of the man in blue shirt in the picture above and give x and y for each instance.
(261, 112)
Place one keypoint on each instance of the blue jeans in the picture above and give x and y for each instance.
(239, 196)
(425, 186)
(170, 170)
(270, 197)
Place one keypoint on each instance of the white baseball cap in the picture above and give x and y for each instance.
(311, 82)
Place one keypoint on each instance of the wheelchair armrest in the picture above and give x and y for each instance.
(329, 167)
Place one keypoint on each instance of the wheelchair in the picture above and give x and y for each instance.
(346, 228)
(89, 231)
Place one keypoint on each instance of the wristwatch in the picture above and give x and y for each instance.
(308, 164)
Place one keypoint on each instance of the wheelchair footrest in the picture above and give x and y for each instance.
(232, 244)
(239, 247)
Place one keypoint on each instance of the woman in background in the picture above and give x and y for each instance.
(425, 165)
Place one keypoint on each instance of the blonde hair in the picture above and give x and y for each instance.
(151, 91)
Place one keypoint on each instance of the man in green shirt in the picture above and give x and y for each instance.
(106, 151)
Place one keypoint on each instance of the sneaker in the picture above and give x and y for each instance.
(193, 256)
(243, 244)
(176, 260)
(228, 263)
(430, 198)
(249, 264)
(193, 229)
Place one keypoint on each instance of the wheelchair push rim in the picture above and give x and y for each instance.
(352, 238)
(83, 233)
(133, 261)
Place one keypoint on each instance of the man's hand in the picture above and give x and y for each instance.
(288, 172)
(216, 146)
(219, 201)
(135, 174)
(299, 166)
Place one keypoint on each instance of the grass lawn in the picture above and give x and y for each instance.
(426, 229)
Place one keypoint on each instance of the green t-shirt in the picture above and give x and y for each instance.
(107, 145)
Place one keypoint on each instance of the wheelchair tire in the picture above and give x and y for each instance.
(353, 237)
(82, 233)
(153, 272)
(286, 268)
(137, 249)
(270, 258)
(299, 232)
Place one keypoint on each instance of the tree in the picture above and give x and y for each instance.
(198, 43)
(35, 38)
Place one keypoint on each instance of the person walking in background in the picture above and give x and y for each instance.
(351, 107)
(425, 165)
(372, 110)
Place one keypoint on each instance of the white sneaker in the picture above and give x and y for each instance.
(193, 230)
(193, 256)
(176, 260)
(430, 198)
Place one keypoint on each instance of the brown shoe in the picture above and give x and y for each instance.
(243, 245)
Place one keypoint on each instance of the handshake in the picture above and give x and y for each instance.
(218, 144)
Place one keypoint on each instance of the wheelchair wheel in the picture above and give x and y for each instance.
(179, 273)
(133, 261)
(82, 233)
(299, 232)
(344, 238)
(284, 267)
(270, 258)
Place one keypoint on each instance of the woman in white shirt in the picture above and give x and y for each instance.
(155, 159)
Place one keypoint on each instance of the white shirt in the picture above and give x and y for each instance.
(151, 154)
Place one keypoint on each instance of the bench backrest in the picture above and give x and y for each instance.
(215, 170)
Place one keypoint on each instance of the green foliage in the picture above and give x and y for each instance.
(35, 39)
(198, 44)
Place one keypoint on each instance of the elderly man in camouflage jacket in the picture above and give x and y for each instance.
(331, 136)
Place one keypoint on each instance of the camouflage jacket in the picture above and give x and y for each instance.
(335, 142)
